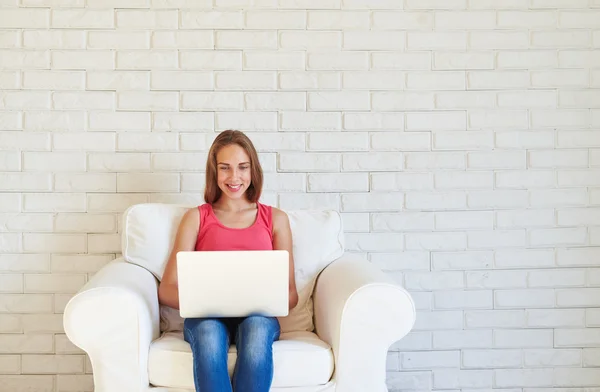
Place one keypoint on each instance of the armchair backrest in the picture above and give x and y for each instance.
(149, 231)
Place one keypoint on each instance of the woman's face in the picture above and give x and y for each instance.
(234, 172)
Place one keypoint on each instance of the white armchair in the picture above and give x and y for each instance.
(336, 339)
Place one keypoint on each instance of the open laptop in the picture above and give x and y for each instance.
(233, 283)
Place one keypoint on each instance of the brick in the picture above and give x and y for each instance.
(497, 160)
(498, 199)
(373, 81)
(85, 182)
(401, 181)
(191, 19)
(435, 160)
(119, 121)
(558, 197)
(64, 346)
(114, 202)
(10, 39)
(82, 18)
(525, 218)
(258, 60)
(9, 79)
(560, 39)
(558, 236)
(578, 58)
(427, 360)
(527, 99)
(10, 202)
(53, 202)
(462, 260)
(275, 101)
(579, 99)
(277, 141)
(54, 243)
(12, 283)
(464, 180)
(394, 20)
(456, 379)
(55, 283)
(11, 100)
(75, 382)
(310, 121)
(10, 161)
(417, 61)
(104, 243)
(148, 101)
(210, 60)
(352, 221)
(285, 182)
(53, 121)
(178, 161)
(464, 220)
(195, 141)
(496, 4)
(578, 139)
(520, 338)
(436, 121)
(435, 201)
(373, 40)
(144, 60)
(122, 162)
(212, 101)
(555, 318)
(88, 223)
(303, 80)
(405, 221)
(395, 101)
(558, 158)
(248, 121)
(30, 59)
(461, 20)
(526, 19)
(384, 242)
(525, 139)
(342, 100)
(117, 80)
(184, 121)
(54, 39)
(371, 4)
(436, 80)
(413, 380)
(41, 383)
(338, 20)
(279, 19)
(556, 278)
(526, 377)
(435, 4)
(83, 141)
(526, 179)
(437, 40)
(465, 99)
(463, 61)
(53, 80)
(463, 299)
(498, 39)
(559, 78)
(497, 80)
(24, 18)
(25, 222)
(575, 178)
(147, 19)
(492, 359)
(18, 182)
(436, 241)
(147, 182)
(85, 100)
(10, 364)
(358, 202)
(439, 320)
(572, 337)
(580, 297)
(381, 161)
(203, 4)
(496, 279)
(333, 61)
(337, 141)
(405, 141)
(462, 339)
(309, 201)
(559, 4)
(225, 39)
(197, 39)
(118, 40)
(310, 40)
(54, 161)
(52, 364)
(309, 162)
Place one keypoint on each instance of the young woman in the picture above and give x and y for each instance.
(231, 219)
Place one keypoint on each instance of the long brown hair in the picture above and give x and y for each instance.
(212, 192)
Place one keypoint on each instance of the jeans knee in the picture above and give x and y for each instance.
(207, 337)
(260, 326)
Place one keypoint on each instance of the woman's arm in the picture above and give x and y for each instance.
(282, 240)
(185, 240)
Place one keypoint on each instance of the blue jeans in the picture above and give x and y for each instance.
(209, 339)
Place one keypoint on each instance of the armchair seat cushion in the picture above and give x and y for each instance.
(300, 359)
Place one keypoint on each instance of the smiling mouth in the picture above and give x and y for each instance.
(234, 187)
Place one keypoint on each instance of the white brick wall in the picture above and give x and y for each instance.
(460, 139)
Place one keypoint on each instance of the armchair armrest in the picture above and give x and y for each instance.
(360, 312)
(114, 318)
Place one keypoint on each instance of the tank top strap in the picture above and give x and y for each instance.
(265, 215)
(205, 215)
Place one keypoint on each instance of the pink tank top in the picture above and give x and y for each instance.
(214, 236)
